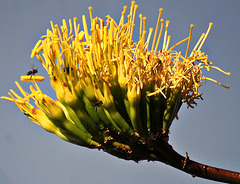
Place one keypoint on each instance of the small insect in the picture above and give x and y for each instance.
(32, 72)
(67, 69)
(98, 104)
(26, 114)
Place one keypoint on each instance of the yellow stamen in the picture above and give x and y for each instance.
(168, 41)
(70, 26)
(37, 87)
(7, 98)
(159, 36)
(14, 100)
(189, 40)
(90, 64)
(195, 47)
(217, 68)
(90, 13)
(52, 26)
(25, 94)
(144, 27)
(149, 37)
(131, 8)
(140, 26)
(158, 91)
(35, 48)
(133, 19)
(75, 26)
(165, 35)
(85, 28)
(110, 34)
(205, 37)
(213, 80)
(178, 44)
(156, 29)
(58, 31)
(64, 24)
(15, 94)
(121, 22)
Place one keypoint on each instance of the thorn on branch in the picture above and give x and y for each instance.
(185, 161)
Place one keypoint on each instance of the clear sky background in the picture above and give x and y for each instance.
(209, 132)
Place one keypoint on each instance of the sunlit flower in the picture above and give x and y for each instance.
(114, 93)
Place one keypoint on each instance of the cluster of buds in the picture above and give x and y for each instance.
(113, 93)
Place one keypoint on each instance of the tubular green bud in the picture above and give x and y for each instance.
(108, 104)
(39, 117)
(86, 124)
(88, 88)
(64, 94)
(54, 111)
(51, 108)
(172, 108)
(134, 96)
(72, 116)
(157, 105)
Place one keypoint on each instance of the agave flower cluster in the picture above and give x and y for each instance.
(113, 93)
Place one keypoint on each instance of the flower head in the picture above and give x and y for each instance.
(114, 92)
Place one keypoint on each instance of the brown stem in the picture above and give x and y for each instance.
(157, 148)
(194, 168)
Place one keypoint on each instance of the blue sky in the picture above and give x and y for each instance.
(209, 132)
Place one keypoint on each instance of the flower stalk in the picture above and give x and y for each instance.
(114, 93)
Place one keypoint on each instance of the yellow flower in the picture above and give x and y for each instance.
(112, 91)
